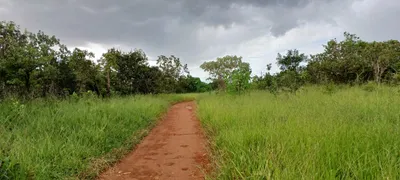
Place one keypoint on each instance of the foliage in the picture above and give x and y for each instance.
(290, 77)
(128, 78)
(351, 61)
(355, 61)
(172, 69)
(266, 81)
(192, 84)
(291, 61)
(229, 70)
(240, 79)
(26, 58)
(109, 63)
(34, 65)
(330, 88)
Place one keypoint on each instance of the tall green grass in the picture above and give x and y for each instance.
(74, 138)
(352, 133)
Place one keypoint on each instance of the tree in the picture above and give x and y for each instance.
(240, 78)
(354, 60)
(37, 64)
(266, 81)
(12, 44)
(27, 59)
(150, 80)
(46, 70)
(84, 70)
(291, 61)
(290, 76)
(189, 84)
(172, 69)
(382, 56)
(221, 69)
(130, 66)
(109, 63)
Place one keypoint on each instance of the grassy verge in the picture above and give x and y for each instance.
(351, 133)
(73, 138)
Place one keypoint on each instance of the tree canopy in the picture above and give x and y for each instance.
(350, 61)
(228, 69)
(38, 65)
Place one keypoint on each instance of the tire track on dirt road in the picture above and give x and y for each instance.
(174, 149)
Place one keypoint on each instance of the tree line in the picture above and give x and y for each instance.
(38, 65)
(350, 61)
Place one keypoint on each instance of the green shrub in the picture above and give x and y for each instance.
(330, 88)
(370, 86)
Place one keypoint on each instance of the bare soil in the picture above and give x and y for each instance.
(174, 149)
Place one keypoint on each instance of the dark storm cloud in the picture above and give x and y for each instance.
(198, 30)
(106, 20)
(186, 28)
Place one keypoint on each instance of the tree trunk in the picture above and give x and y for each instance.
(377, 72)
(108, 84)
(27, 82)
(221, 83)
(358, 77)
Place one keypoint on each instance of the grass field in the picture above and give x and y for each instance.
(73, 138)
(353, 133)
(317, 133)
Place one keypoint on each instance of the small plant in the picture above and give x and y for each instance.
(89, 94)
(330, 88)
(10, 170)
(370, 87)
(395, 79)
(274, 87)
(74, 97)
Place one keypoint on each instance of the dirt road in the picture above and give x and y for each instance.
(174, 149)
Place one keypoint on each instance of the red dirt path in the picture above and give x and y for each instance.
(174, 149)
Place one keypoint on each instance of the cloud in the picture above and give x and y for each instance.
(197, 31)
(4, 6)
(372, 19)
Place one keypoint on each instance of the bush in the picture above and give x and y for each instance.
(330, 88)
(370, 86)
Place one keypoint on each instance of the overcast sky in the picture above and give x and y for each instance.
(201, 30)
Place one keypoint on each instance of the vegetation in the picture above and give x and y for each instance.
(296, 131)
(59, 139)
(355, 61)
(349, 134)
(331, 115)
(36, 65)
(351, 61)
(229, 70)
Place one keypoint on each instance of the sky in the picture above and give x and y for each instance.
(202, 30)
